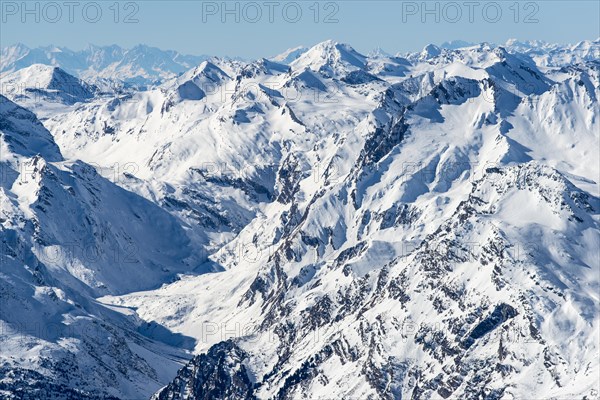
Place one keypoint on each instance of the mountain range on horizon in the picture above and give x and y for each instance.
(144, 65)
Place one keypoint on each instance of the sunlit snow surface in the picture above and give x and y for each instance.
(422, 225)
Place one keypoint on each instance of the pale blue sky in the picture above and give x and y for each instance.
(196, 27)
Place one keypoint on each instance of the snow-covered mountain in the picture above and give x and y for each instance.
(544, 54)
(456, 44)
(39, 85)
(289, 55)
(322, 224)
(140, 66)
(68, 236)
(554, 55)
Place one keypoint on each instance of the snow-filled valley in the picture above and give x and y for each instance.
(318, 224)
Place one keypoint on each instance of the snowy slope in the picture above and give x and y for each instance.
(377, 227)
(68, 236)
(45, 89)
(289, 55)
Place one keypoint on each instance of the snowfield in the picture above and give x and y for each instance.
(320, 224)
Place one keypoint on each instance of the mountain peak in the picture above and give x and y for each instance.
(45, 81)
(18, 46)
(430, 51)
(289, 55)
(378, 52)
(456, 44)
(331, 58)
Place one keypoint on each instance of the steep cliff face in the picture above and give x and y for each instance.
(430, 254)
(67, 236)
(218, 374)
